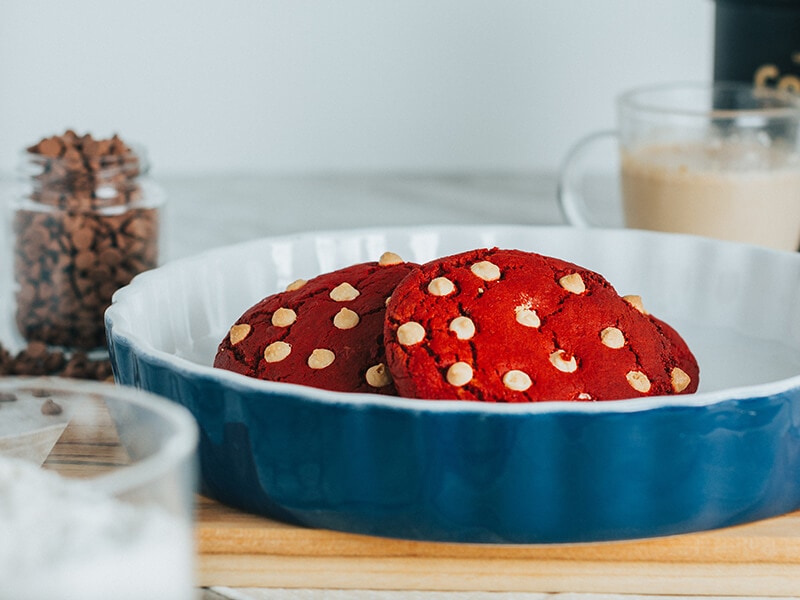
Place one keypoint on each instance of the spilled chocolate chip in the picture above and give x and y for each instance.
(38, 362)
(51, 408)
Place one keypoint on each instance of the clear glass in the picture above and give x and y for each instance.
(97, 486)
(719, 160)
(80, 229)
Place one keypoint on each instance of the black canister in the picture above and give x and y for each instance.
(758, 41)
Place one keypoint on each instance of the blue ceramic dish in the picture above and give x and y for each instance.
(551, 472)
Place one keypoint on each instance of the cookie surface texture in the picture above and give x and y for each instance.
(326, 332)
(511, 326)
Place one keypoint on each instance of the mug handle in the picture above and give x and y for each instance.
(571, 175)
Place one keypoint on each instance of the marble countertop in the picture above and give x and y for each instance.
(210, 211)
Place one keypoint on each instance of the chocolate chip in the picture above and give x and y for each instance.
(50, 147)
(36, 350)
(51, 408)
(6, 361)
(7, 397)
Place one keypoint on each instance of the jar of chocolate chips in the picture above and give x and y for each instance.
(86, 221)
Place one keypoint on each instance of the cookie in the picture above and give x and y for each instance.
(512, 326)
(326, 332)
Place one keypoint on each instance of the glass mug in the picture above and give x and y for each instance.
(719, 160)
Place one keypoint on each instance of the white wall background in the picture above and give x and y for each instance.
(338, 85)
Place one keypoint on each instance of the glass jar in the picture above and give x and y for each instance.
(86, 220)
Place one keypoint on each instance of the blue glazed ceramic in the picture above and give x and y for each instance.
(551, 472)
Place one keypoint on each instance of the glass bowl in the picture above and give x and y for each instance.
(96, 491)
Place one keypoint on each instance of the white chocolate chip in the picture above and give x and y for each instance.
(345, 319)
(463, 327)
(459, 374)
(344, 292)
(410, 333)
(486, 270)
(389, 258)
(638, 381)
(636, 302)
(573, 283)
(296, 285)
(238, 333)
(518, 381)
(378, 376)
(283, 317)
(441, 286)
(527, 316)
(584, 396)
(680, 379)
(277, 351)
(320, 358)
(612, 337)
(558, 360)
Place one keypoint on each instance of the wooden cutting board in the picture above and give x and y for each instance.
(241, 550)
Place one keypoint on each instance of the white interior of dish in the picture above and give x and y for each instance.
(737, 306)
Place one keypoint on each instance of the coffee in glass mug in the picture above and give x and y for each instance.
(718, 160)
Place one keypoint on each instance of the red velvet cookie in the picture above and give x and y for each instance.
(511, 326)
(326, 332)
